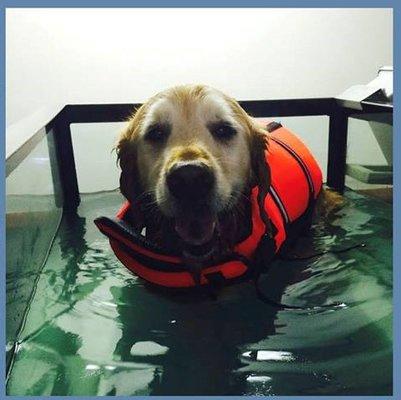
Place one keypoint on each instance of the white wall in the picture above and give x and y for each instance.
(115, 55)
(57, 56)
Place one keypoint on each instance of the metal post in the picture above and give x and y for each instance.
(338, 129)
(64, 164)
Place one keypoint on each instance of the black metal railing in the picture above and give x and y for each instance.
(61, 151)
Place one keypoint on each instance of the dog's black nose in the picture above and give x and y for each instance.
(190, 180)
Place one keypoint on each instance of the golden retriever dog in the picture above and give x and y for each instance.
(189, 158)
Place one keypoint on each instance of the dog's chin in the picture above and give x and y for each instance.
(196, 226)
(200, 253)
(195, 230)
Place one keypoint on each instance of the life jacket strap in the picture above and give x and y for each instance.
(272, 126)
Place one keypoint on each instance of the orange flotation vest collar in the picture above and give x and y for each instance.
(296, 180)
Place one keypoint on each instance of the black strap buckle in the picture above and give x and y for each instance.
(265, 252)
(272, 126)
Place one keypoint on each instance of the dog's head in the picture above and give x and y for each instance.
(194, 152)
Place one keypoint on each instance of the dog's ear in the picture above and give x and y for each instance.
(260, 173)
(127, 159)
(130, 185)
(258, 145)
(126, 149)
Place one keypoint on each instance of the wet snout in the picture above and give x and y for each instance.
(191, 185)
(190, 181)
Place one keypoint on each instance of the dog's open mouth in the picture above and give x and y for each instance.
(198, 231)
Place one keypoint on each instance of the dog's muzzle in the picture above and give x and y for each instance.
(190, 181)
(191, 185)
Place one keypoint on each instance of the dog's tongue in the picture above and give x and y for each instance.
(196, 229)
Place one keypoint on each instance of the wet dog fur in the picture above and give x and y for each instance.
(189, 157)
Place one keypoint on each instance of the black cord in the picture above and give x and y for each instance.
(282, 306)
(300, 258)
(257, 271)
(268, 300)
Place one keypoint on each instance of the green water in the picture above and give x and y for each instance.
(92, 328)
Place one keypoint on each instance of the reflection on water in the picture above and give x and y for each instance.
(32, 218)
(95, 329)
(269, 355)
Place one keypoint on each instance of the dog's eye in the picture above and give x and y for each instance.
(157, 133)
(222, 131)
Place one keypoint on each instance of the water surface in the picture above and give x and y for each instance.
(93, 328)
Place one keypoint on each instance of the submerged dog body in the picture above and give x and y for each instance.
(189, 157)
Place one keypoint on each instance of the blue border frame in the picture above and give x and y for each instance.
(396, 214)
(227, 3)
(201, 3)
(2, 198)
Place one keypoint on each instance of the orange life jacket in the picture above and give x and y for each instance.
(296, 180)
